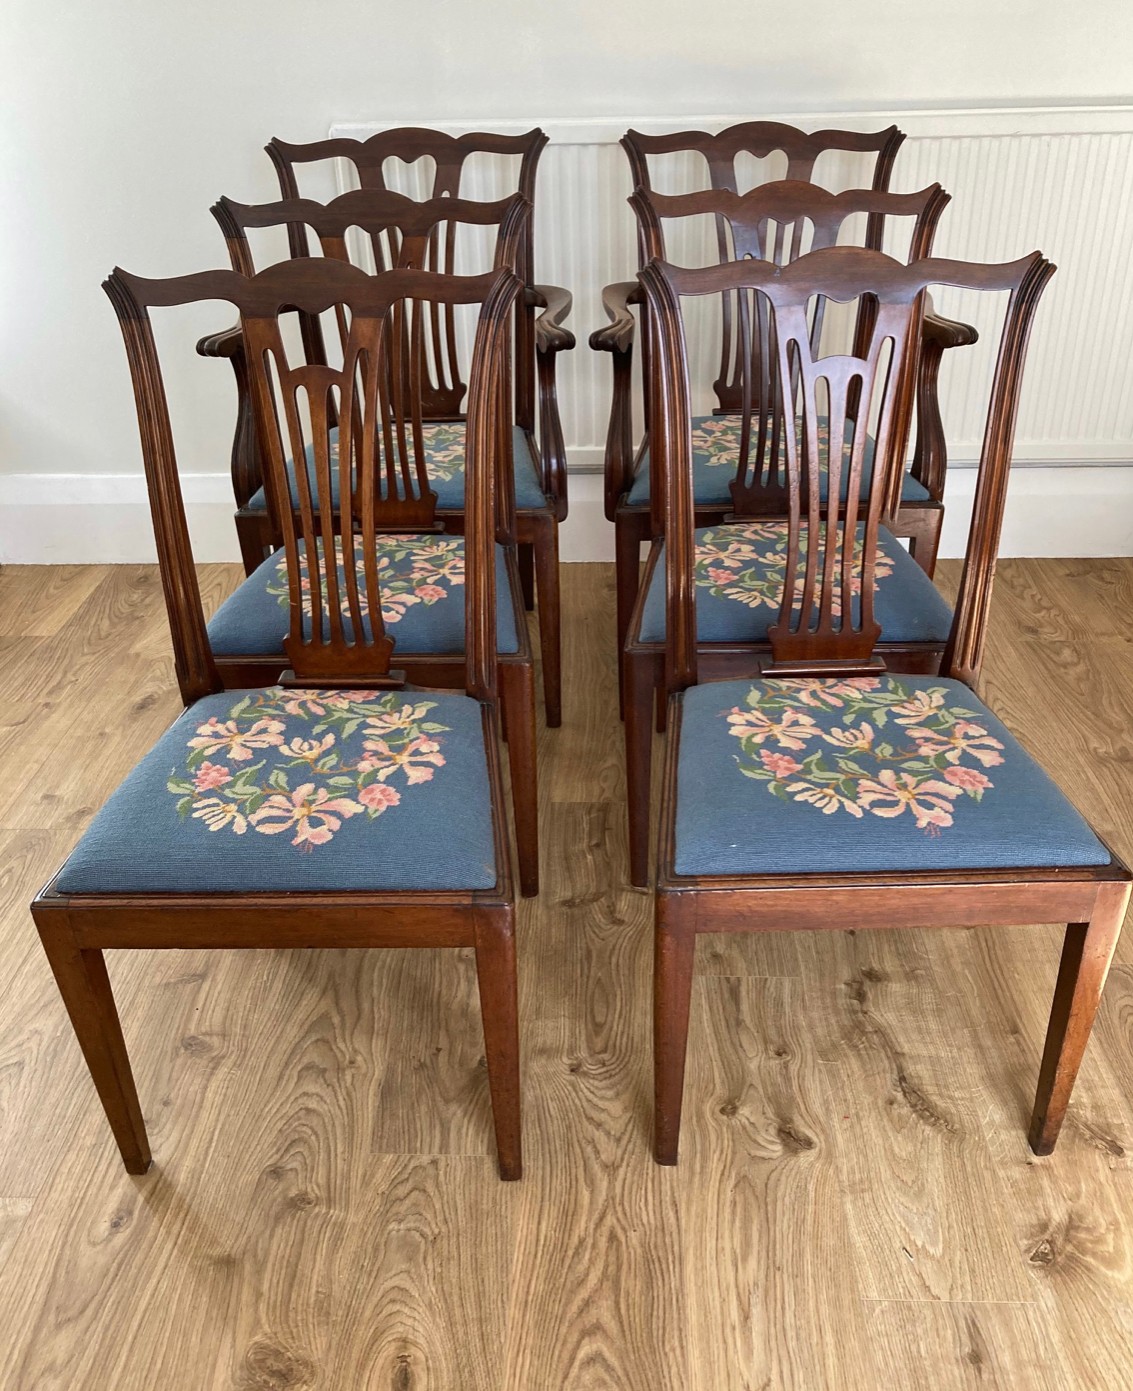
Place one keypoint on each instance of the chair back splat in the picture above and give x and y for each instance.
(807, 444)
(336, 633)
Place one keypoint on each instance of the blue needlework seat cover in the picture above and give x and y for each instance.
(716, 453)
(293, 790)
(738, 575)
(421, 581)
(444, 463)
(872, 774)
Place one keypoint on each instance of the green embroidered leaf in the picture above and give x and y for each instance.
(277, 778)
(184, 806)
(340, 781)
(239, 708)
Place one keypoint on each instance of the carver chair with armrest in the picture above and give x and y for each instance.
(423, 572)
(832, 793)
(340, 808)
(628, 473)
(737, 565)
(540, 335)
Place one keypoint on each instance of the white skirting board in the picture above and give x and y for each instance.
(1079, 509)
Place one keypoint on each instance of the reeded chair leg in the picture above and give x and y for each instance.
(85, 988)
(674, 946)
(641, 676)
(517, 701)
(1086, 954)
(496, 976)
(546, 549)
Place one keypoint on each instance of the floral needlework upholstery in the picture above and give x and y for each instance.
(716, 453)
(421, 582)
(812, 776)
(444, 463)
(738, 574)
(283, 789)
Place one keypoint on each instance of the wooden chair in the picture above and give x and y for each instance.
(539, 338)
(627, 471)
(423, 572)
(736, 569)
(340, 808)
(831, 793)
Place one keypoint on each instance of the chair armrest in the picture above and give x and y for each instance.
(246, 465)
(930, 453)
(555, 302)
(948, 333)
(618, 334)
(227, 343)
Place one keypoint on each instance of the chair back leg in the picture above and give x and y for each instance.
(674, 947)
(495, 974)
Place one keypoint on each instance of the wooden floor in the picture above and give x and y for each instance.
(855, 1205)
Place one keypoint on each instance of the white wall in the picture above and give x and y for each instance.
(122, 121)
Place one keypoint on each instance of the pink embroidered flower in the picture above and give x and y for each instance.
(215, 735)
(789, 732)
(217, 813)
(781, 764)
(309, 749)
(826, 798)
(377, 796)
(413, 760)
(388, 721)
(210, 775)
(315, 814)
(858, 740)
(430, 593)
(394, 605)
(929, 800)
(920, 706)
(964, 737)
(970, 779)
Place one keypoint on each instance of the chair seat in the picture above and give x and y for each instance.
(444, 463)
(738, 580)
(716, 453)
(873, 774)
(292, 790)
(421, 578)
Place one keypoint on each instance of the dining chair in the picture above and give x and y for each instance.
(423, 572)
(722, 158)
(832, 793)
(539, 338)
(739, 477)
(341, 807)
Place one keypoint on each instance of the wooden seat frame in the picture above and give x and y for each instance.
(76, 929)
(1092, 900)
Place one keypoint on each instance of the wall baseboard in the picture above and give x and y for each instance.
(59, 519)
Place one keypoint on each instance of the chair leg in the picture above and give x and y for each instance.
(627, 579)
(1086, 954)
(546, 549)
(525, 557)
(674, 945)
(922, 526)
(495, 973)
(255, 543)
(517, 699)
(641, 678)
(85, 988)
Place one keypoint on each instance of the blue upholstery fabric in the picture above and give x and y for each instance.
(738, 581)
(444, 450)
(716, 452)
(882, 773)
(300, 790)
(422, 588)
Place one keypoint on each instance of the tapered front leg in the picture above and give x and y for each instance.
(674, 946)
(499, 1005)
(1086, 954)
(525, 558)
(85, 988)
(641, 677)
